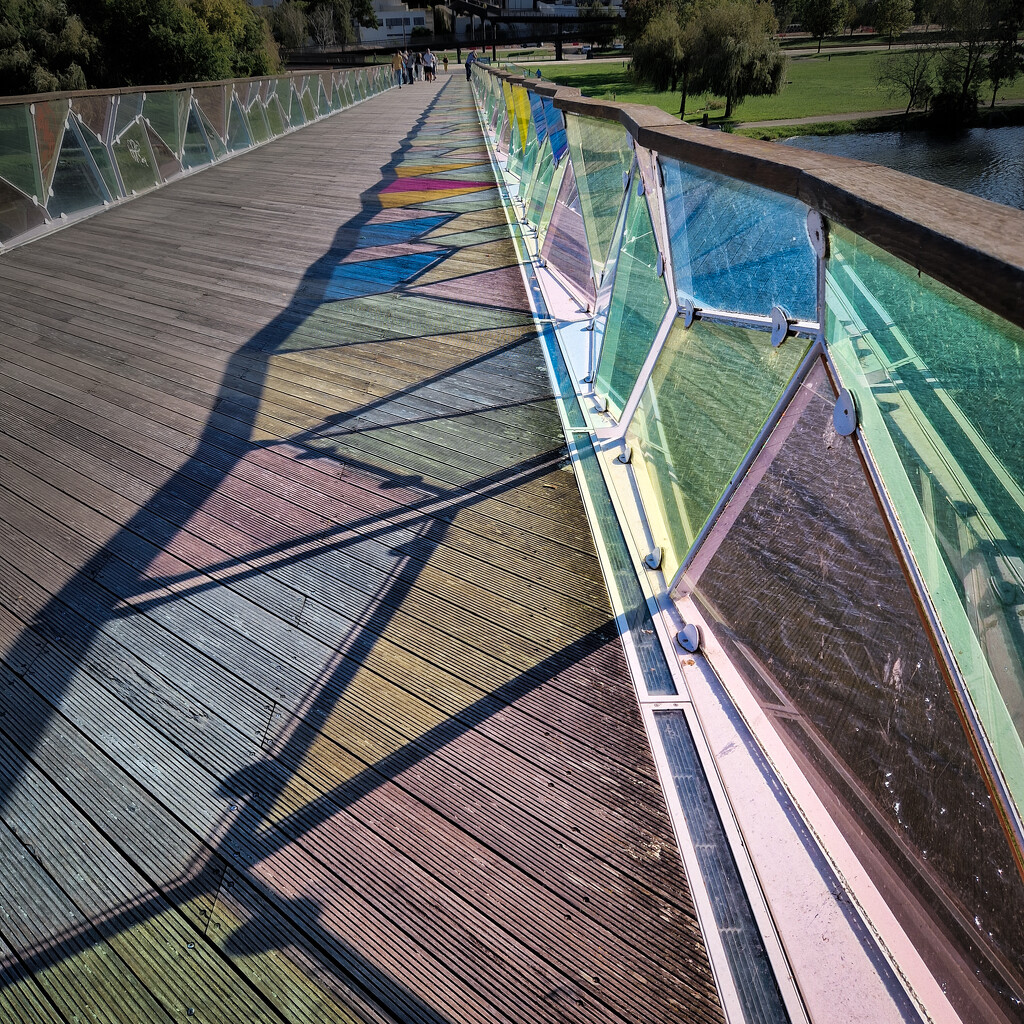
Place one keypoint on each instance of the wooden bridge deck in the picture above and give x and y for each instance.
(311, 706)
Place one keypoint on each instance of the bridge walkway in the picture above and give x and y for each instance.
(312, 708)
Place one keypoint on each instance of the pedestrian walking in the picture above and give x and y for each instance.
(418, 65)
(469, 64)
(397, 68)
(429, 65)
(445, 58)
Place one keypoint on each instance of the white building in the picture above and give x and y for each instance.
(396, 23)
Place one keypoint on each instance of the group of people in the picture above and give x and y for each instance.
(415, 67)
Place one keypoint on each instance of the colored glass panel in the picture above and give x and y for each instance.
(556, 129)
(76, 184)
(639, 302)
(258, 124)
(554, 188)
(529, 159)
(94, 111)
(18, 162)
(336, 100)
(238, 130)
(166, 113)
(298, 115)
(17, 214)
(712, 389)
(50, 118)
(129, 107)
(601, 156)
(738, 247)
(101, 159)
(801, 587)
(212, 100)
(197, 151)
(565, 242)
(309, 106)
(135, 160)
(216, 143)
(521, 103)
(167, 163)
(938, 381)
(275, 117)
(537, 116)
(540, 183)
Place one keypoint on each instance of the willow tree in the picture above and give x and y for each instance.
(736, 53)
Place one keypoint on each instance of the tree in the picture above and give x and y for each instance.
(43, 47)
(909, 73)
(288, 24)
(822, 18)
(1006, 60)
(963, 66)
(321, 26)
(893, 17)
(736, 53)
(638, 15)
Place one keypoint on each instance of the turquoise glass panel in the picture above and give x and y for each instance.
(197, 147)
(639, 302)
(308, 106)
(135, 159)
(736, 246)
(336, 100)
(938, 382)
(712, 389)
(238, 130)
(76, 183)
(296, 114)
(601, 156)
(18, 162)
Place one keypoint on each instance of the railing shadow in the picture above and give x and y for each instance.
(253, 828)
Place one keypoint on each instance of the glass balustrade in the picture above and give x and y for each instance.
(866, 590)
(62, 157)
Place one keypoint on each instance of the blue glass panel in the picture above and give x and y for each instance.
(538, 116)
(556, 129)
(736, 246)
(238, 129)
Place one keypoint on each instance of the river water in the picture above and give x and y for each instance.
(987, 162)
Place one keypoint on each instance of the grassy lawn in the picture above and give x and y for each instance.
(815, 86)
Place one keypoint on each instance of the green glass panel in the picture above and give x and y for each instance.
(238, 129)
(639, 302)
(197, 151)
(76, 183)
(50, 117)
(275, 117)
(308, 107)
(938, 382)
(601, 156)
(135, 159)
(258, 124)
(101, 158)
(711, 391)
(18, 162)
(166, 113)
(336, 101)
